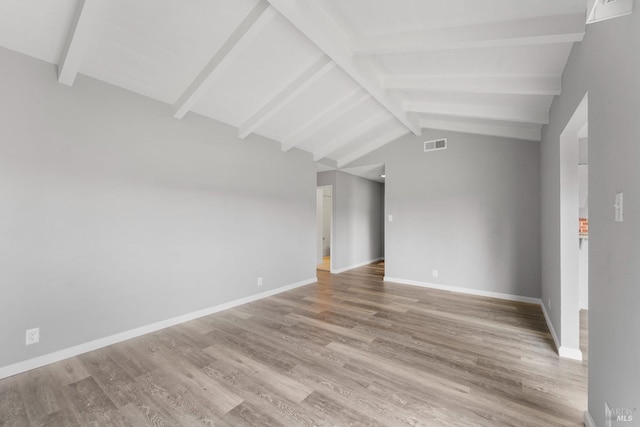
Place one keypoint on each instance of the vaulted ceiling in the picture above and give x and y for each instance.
(336, 78)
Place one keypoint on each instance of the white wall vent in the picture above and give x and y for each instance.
(436, 144)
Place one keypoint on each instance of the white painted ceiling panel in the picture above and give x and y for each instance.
(536, 60)
(502, 100)
(370, 172)
(334, 78)
(157, 55)
(379, 17)
(344, 124)
(181, 27)
(507, 129)
(312, 102)
(276, 57)
(114, 63)
(36, 28)
(368, 136)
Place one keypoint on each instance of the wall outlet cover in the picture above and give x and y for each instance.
(32, 336)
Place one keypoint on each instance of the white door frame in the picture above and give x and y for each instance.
(319, 221)
(569, 214)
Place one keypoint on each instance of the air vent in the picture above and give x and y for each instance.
(436, 144)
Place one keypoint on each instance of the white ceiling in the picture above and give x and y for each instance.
(336, 78)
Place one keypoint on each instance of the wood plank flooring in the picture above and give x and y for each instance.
(350, 350)
(325, 265)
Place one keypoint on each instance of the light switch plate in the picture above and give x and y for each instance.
(619, 208)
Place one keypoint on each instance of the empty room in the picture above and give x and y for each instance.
(319, 213)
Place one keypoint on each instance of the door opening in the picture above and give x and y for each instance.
(324, 199)
(573, 244)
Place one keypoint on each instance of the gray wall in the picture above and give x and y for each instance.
(607, 66)
(114, 215)
(358, 207)
(470, 211)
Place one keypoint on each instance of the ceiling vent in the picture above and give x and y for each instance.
(436, 144)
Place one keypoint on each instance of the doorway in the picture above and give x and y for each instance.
(573, 238)
(324, 220)
(583, 236)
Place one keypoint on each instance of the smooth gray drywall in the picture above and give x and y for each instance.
(470, 211)
(114, 215)
(358, 206)
(607, 66)
(583, 275)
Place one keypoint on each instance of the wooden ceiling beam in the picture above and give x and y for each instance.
(311, 19)
(259, 17)
(311, 75)
(541, 30)
(80, 34)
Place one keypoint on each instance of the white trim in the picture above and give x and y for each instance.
(469, 291)
(27, 365)
(607, 11)
(550, 327)
(588, 420)
(570, 353)
(563, 351)
(360, 264)
(569, 256)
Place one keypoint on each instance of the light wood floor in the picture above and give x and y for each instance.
(351, 350)
(325, 265)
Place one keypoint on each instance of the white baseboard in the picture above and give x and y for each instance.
(588, 421)
(563, 351)
(551, 328)
(570, 353)
(469, 291)
(360, 264)
(27, 365)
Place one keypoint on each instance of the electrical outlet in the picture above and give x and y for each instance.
(435, 273)
(33, 336)
(259, 281)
